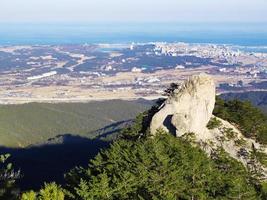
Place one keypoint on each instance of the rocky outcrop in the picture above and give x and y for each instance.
(188, 109)
(187, 112)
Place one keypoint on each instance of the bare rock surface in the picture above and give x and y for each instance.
(189, 109)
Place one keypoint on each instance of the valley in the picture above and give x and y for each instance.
(35, 123)
(83, 73)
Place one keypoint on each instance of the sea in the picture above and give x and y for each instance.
(249, 36)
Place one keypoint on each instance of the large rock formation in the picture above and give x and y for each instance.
(188, 109)
(187, 112)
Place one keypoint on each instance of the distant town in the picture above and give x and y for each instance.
(70, 73)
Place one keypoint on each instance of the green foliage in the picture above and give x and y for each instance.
(189, 137)
(261, 157)
(249, 119)
(140, 127)
(50, 191)
(257, 98)
(235, 176)
(229, 133)
(214, 123)
(264, 190)
(134, 131)
(262, 135)
(240, 142)
(8, 177)
(162, 167)
(31, 195)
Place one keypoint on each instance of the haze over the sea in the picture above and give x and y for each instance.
(245, 34)
(239, 22)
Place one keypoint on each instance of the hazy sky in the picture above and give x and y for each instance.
(133, 10)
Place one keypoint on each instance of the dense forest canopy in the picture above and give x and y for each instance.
(35, 123)
(250, 120)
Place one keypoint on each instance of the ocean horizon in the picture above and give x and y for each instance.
(251, 35)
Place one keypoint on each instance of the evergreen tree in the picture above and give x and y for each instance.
(50, 191)
(249, 119)
(138, 166)
(8, 178)
(163, 167)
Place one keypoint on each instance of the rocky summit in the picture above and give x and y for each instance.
(188, 109)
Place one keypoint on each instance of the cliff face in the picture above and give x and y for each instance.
(189, 109)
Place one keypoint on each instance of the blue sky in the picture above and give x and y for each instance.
(133, 10)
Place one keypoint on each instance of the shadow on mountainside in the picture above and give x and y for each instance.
(112, 130)
(49, 162)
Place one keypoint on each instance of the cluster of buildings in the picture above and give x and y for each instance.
(250, 72)
(226, 53)
(229, 59)
(201, 50)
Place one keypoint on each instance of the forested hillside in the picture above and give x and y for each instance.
(27, 124)
(258, 98)
(138, 166)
